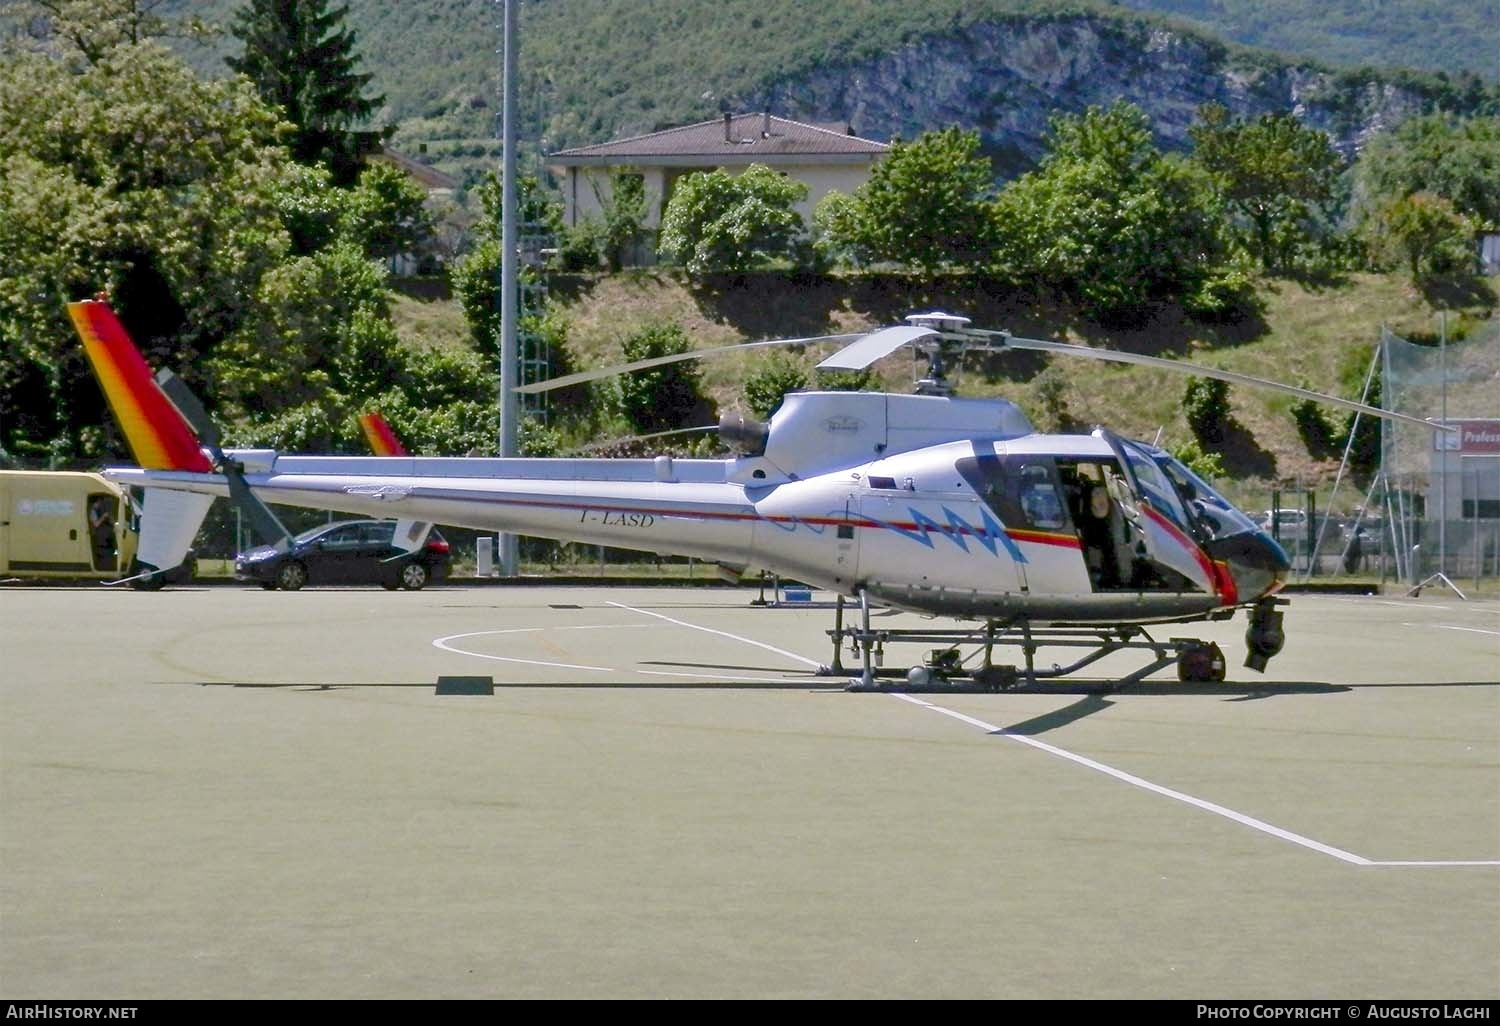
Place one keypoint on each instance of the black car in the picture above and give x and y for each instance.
(348, 552)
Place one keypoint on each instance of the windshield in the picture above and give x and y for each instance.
(1213, 514)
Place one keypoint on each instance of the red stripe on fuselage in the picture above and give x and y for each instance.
(1221, 582)
(1066, 541)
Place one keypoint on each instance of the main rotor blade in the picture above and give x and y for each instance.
(659, 361)
(876, 345)
(596, 446)
(1198, 370)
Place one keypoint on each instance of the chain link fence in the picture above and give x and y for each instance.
(1432, 505)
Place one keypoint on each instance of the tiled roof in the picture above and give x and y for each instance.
(737, 138)
(429, 177)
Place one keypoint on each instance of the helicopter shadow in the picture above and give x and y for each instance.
(1096, 698)
(811, 683)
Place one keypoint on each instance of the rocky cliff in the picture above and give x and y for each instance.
(1007, 77)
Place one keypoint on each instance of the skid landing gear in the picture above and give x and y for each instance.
(945, 670)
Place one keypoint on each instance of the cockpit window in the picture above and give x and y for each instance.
(1023, 490)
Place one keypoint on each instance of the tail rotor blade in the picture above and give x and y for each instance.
(262, 521)
(192, 410)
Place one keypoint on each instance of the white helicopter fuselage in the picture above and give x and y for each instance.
(935, 504)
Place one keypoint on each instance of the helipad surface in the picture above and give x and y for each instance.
(223, 792)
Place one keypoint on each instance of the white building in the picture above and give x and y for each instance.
(1464, 480)
(825, 158)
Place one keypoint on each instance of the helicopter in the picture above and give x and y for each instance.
(926, 502)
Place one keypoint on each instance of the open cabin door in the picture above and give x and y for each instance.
(1158, 522)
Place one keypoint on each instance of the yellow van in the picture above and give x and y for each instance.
(63, 524)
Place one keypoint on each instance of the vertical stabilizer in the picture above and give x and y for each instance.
(383, 441)
(159, 437)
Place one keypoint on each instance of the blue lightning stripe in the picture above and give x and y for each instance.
(990, 534)
(927, 525)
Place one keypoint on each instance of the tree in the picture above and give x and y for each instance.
(476, 276)
(1107, 218)
(624, 210)
(303, 60)
(777, 375)
(1456, 159)
(1205, 402)
(92, 28)
(716, 221)
(1422, 190)
(130, 175)
(1273, 171)
(926, 205)
(321, 325)
(1425, 233)
(385, 214)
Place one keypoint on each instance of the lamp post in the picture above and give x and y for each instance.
(509, 363)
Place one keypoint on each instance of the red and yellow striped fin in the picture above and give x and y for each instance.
(383, 441)
(159, 437)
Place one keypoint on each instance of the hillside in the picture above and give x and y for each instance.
(593, 70)
(1317, 337)
(1445, 37)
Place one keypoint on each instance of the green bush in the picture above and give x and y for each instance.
(1314, 428)
(1206, 404)
(1207, 465)
(716, 221)
(658, 398)
(766, 388)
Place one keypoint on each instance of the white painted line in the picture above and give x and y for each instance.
(538, 630)
(990, 728)
(1467, 862)
(722, 676)
(1207, 806)
(1130, 778)
(1471, 630)
(442, 643)
(724, 634)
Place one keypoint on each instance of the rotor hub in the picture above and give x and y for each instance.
(938, 321)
